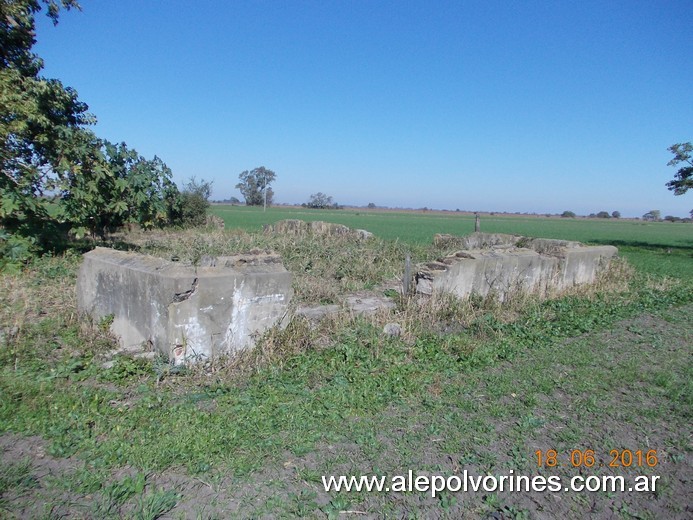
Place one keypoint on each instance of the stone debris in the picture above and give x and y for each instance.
(393, 330)
(317, 313)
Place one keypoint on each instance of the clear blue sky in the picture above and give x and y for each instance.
(506, 106)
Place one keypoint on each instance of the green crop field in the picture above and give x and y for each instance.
(655, 247)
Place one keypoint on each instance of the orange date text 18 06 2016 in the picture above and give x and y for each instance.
(589, 459)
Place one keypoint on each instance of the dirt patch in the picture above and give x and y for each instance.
(625, 389)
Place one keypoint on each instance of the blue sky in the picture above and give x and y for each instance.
(491, 106)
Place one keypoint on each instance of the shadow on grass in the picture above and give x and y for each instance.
(657, 248)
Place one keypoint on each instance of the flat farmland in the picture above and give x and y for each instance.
(656, 247)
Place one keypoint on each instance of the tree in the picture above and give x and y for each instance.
(39, 121)
(654, 215)
(568, 214)
(234, 201)
(255, 186)
(603, 214)
(50, 160)
(371, 205)
(320, 201)
(616, 214)
(683, 180)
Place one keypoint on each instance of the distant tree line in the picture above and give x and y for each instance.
(320, 201)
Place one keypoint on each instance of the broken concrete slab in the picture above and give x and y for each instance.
(185, 312)
(359, 304)
(368, 305)
(317, 313)
(509, 263)
(475, 240)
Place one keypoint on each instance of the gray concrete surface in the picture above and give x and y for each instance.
(185, 313)
(509, 263)
(318, 227)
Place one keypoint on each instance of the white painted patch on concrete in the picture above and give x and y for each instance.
(194, 339)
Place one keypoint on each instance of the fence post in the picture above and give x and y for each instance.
(406, 279)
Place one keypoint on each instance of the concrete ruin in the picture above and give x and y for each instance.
(495, 264)
(301, 227)
(220, 307)
(186, 313)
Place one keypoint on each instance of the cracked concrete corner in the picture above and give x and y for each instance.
(185, 295)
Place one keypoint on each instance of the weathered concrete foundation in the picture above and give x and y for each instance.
(186, 313)
(300, 227)
(508, 263)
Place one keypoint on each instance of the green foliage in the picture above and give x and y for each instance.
(121, 187)
(254, 184)
(39, 123)
(15, 251)
(683, 180)
(568, 214)
(126, 368)
(603, 214)
(616, 214)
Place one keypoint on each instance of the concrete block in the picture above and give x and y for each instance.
(540, 266)
(294, 227)
(186, 313)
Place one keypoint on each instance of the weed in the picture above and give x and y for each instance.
(154, 504)
(117, 493)
(126, 368)
(16, 476)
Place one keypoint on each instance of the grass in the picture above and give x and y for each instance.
(419, 227)
(472, 385)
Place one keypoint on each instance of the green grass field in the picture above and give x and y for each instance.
(655, 247)
(475, 385)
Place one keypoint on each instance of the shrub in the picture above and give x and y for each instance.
(568, 214)
(192, 203)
